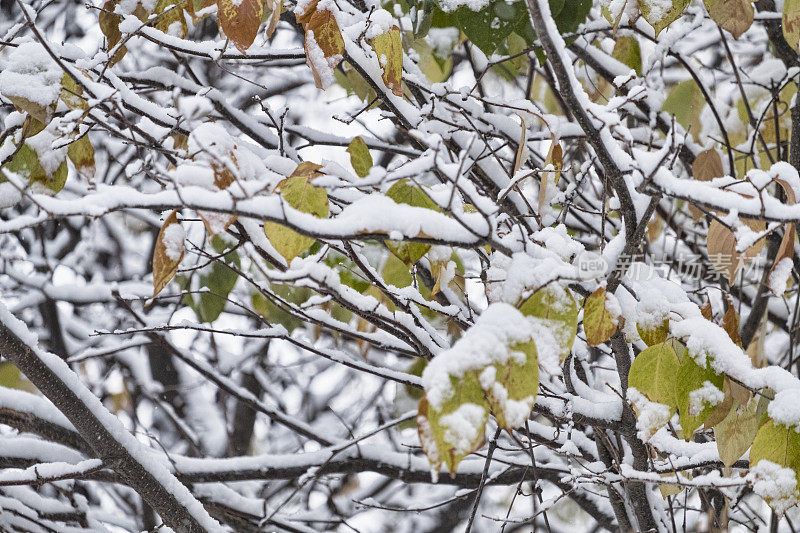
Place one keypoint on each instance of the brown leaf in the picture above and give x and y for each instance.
(707, 166)
(168, 253)
(730, 322)
(274, 17)
(786, 249)
(706, 311)
(322, 34)
(721, 244)
(240, 22)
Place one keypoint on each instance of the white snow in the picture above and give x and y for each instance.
(785, 408)
(173, 239)
(706, 396)
(463, 426)
(774, 483)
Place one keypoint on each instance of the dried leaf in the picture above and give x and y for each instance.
(323, 45)
(722, 253)
(240, 21)
(791, 23)
(168, 253)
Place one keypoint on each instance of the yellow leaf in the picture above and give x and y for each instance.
(81, 153)
(598, 323)
(323, 45)
(389, 49)
(298, 192)
(170, 12)
(360, 158)
(168, 253)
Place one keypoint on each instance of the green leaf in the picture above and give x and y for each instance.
(627, 51)
(12, 378)
(686, 102)
(220, 280)
(435, 69)
(26, 163)
(557, 309)
(456, 428)
(360, 158)
(513, 389)
(301, 195)
(735, 433)
(778, 444)
(396, 272)
(275, 314)
(657, 16)
(598, 323)
(489, 27)
(654, 373)
(692, 377)
(404, 192)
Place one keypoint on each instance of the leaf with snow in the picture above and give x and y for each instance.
(456, 428)
(698, 390)
(405, 192)
(324, 44)
(775, 452)
(299, 193)
(48, 169)
(240, 20)
(556, 308)
(511, 388)
(168, 253)
(388, 47)
(661, 13)
(171, 19)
